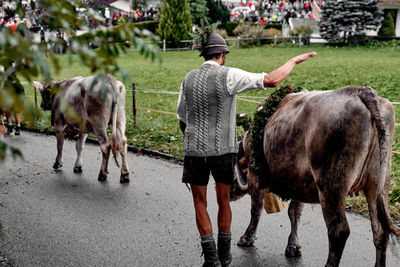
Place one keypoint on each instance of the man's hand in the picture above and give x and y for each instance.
(303, 57)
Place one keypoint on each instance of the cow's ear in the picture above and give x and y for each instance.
(38, 86)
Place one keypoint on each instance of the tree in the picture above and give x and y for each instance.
(199, 11)
(343, 19)
(23, 58)
(175, 21)
(387, 28)
(218, 12)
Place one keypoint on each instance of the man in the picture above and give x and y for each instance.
(207, 117)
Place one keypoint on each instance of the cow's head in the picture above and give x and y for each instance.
(47, 90)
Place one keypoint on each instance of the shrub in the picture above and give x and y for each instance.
(247, 30)
(377, 43)
(230, 26)
(271, 32)
(277, 26)
(303, 30)
(387, 28)
(222, 32)
(148, 25)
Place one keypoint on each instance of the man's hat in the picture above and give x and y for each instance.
(215, 44)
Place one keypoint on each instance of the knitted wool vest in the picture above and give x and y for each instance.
(210, 113)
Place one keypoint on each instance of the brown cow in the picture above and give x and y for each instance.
(320, 147)
(84, 105)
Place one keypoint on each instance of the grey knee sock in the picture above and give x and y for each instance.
(207, 238)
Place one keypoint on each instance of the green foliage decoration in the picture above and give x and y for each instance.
(243, 120)
(261, 118)
(175, 22)
(387, 28)
(200, 34)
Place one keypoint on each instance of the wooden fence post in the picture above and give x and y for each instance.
(164, 47)
(275, 39)
(134, 103)
(35, 97)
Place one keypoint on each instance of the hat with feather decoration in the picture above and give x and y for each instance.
(208, 41)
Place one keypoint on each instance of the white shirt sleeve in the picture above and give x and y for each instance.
(181, 106)
(239, 81)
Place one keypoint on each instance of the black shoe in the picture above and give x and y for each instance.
(210, 254)
(224, 249)
(17, 130)
(9, 129)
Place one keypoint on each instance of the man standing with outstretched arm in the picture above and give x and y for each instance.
(207, 118)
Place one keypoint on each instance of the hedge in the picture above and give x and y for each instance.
(230, 26)
(151, 25)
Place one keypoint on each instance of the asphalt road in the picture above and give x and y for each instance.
(58, 218)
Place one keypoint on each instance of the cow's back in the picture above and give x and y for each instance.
(308, 134)
(91, 100)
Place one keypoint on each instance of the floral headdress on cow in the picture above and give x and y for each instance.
(207, 40)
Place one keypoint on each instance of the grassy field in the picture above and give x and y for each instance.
(332, 68)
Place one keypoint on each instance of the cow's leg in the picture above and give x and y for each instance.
(105, 147)
(80, 143)
(257, 200)
(293, 249)
(60, 143)
(381, 237)
(333, 208)
(124, 170)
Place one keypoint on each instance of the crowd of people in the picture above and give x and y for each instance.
(139, 14)
(273, 11)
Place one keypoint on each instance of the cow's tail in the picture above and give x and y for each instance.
(114, 137)
(118, 126)
(370, 98)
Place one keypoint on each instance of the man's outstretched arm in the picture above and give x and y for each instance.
(277, 76)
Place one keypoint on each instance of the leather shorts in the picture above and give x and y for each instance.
(196, 170)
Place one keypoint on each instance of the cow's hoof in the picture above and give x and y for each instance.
(77, 169)
(245, 242)
(293, 251)
(57, 165)
(124, 178)
(102, 177)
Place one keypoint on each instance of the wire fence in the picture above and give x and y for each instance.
(298, 40)
(134, 107)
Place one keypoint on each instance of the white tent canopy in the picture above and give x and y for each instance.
(122, 5)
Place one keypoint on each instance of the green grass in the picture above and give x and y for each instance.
(332, 68)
